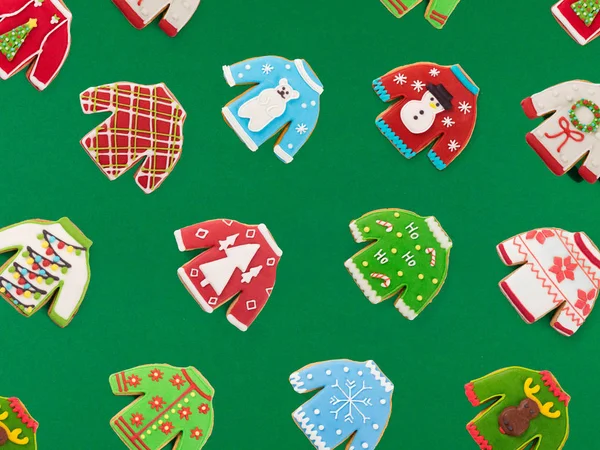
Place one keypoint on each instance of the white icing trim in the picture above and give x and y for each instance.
(65, 12)
(297, 383)
(192, 289)
(438, 232)
(356, 234)
(267, 235)
(309, 430)
(231, 119)
(306, 77)
(565, 23)
(179, 239)
(282, 155)
(362, 282)
(228, 76)
(405, 310)
(236, 323)
(385, 383)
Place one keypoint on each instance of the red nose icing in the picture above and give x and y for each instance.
(502, 431)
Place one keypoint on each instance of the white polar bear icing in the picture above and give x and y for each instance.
(268, 105)
(419, 115)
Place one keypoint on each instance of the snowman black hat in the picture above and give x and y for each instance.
(441, 94)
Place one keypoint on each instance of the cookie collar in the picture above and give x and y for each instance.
(267, 235)
(587, 247)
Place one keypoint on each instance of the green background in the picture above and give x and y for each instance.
(136, 311)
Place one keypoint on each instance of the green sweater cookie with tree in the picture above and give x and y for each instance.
(529, 410)
(409, 257)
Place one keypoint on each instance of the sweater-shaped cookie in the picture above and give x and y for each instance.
(285, 96)
(571, 133)
(437, 104)
(242, 259)
(579, 18)
(354, 402)
(175, 404)
(34, 30)
(527, 408)
(560, 271)
(141, 12)
(146, 124)
(17, 428)
(437, 12)
(409, 257)
(51, 261)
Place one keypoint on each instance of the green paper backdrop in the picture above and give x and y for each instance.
(136, 311)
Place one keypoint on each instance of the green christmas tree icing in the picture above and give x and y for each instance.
(11, 42)
(586, 10)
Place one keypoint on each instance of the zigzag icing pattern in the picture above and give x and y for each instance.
(356, 234)
(362, 282)
(309, 431)
(394, 139)
(552, 385)
(477, 437)
(380, 90)
(297, 383)
(436, 160)
(385, 383)
(471, 395)
(18, 408)
(405, 310)
(438, 233)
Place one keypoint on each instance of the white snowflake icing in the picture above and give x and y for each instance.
(38, 3)
(267, 68)
(453, 145)
(447, 121)
(301, 128)
(464, 107)
(350, 400)
(434, 72)
(400, 79)
(418, 85)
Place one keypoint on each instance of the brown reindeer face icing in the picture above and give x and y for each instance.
(514, 420)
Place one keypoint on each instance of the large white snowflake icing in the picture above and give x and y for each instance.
(350, 401)
(464, 107)
(453, 145)
(447, 121)
(418, 85)
(267, 68)
(400, 79)
(301, 128)
(434, 72)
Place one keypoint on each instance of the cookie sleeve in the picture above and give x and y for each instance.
(486, 388)
(13, 236)
(512, 252)
(397, 83)
(308, 378)
(590, 169)
(129, 382)
(296, 135)
(54, 52)
(254, 70)
(70, 296)
(178, 15)
(96, 99)
(10, 6)
(206, 234)
(453, 140)
(555, 97)
(251, 301)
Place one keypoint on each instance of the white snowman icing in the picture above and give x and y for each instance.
(418, 115)
(268, 105)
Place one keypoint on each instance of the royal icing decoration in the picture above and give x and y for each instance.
(242, 259)
(51, 262)
(175, 403)
(437, 12)
(437, 104)
(559, 271)
(17, 428)
(524, 409)
(408, 259)
(34, 31)
(141, 12)
(579, 18)
(571, 132)
(146, 124)
(354, 403)
(284, 93)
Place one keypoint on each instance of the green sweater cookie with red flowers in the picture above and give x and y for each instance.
(17, 427)
(529, 410)
(409, 257)
(176, 403)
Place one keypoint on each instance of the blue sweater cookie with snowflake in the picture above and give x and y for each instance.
(285, 96)
(354, 401)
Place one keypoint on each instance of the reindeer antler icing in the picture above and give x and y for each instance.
(545, 408)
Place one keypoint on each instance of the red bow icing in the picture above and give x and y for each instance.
(577, 136)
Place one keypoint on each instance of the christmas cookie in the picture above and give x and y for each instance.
(242, 259)
(141, 12)
(146, 124)
(409, 257)
(570, 133)
(437, 12)
(51, 261)
(527, 408)
(284, 96)
(354, 403)
(560, 271)
(174, 404)
(17, 428)
(579, 18)
(437, 104)
(34, 30)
